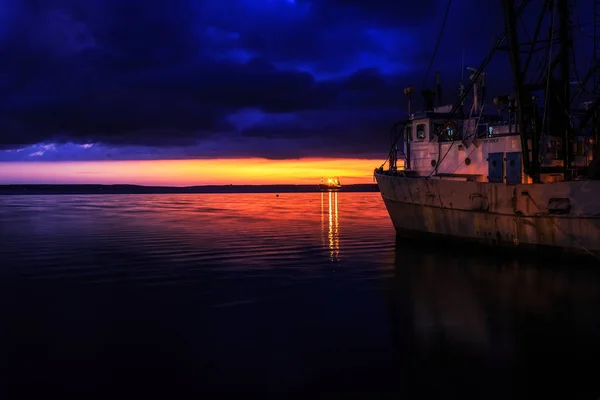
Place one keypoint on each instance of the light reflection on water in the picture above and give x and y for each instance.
(333, 232)
(162, 239)
(169, 294)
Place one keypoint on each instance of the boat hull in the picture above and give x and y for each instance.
(329, 188)
(521, 217)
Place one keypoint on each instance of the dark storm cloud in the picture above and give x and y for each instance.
(380, 11)
(155, 73)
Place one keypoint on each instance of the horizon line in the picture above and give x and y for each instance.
(168, 186)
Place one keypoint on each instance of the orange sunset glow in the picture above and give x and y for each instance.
(250, 171)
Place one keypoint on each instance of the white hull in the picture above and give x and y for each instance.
(563, 216)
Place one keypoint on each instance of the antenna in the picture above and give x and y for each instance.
(462, 65)
(595, 122)
(407, 134)
(408, 93)
(461, 88)
(438, 88)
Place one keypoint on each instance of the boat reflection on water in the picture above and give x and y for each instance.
(495, 329)
(331, 234)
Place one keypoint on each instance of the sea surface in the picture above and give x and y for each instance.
(289, 296)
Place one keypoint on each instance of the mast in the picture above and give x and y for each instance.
(589, 118)
(595, 119)
(564, 94)
(522, 101)
(554, 81)
(408, 134)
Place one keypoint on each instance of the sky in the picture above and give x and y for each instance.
(181, 91)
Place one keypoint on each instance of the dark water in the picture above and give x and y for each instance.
(297, 296)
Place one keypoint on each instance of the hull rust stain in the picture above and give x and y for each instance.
(564, 216)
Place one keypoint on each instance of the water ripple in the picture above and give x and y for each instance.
(171, 239)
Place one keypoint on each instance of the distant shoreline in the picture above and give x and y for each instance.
(139, 189)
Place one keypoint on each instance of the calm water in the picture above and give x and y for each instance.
(291, 296)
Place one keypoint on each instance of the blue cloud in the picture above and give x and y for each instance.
(145, 78)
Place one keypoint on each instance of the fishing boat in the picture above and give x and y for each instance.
(523, 173)
(331, 184)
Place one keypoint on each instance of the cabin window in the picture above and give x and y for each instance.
(450, 132)
(421, 132)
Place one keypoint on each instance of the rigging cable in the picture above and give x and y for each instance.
(476, 76)
(437, 45)
(533, 42)
(395, 142)
(594, 65)
(549, 73)
(439, 40)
